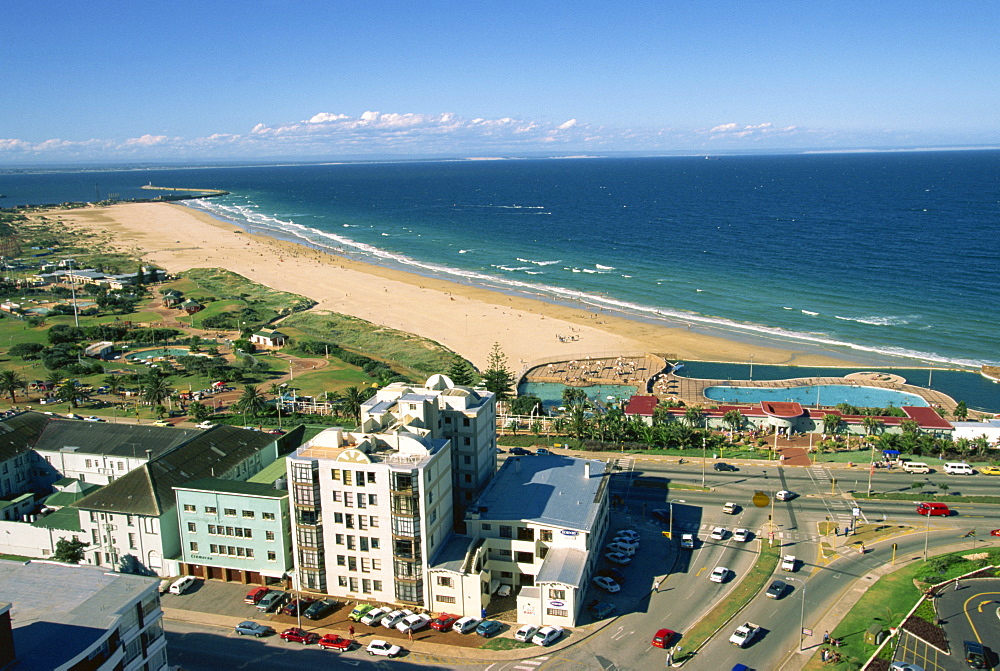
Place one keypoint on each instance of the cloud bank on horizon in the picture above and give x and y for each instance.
(373, 133)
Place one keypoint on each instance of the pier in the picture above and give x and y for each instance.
(207, 192)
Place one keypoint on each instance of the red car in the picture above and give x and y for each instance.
(664, 638)
(995, 532)
(334, 642)
(296, 606)
(444, 621)
(296, 635)
(256, 594)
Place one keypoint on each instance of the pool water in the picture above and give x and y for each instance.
(145, 355)
(551, 392)
(825, 394)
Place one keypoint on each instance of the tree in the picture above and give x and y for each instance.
(198, 411)
(69, 393)
(526, 405)
(961, 411)
(909, 427)
(251, 401)
(114, 383)
(831, 423)
(872, 425)
(733, 419)
(693, 416)
(27, 351)
(353, 398)
(69, 551)
(11, 382)
(461, 372)
(497, 378)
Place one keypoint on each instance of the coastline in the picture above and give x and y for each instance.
(463, 317)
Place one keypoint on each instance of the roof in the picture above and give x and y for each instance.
(453, 553)
(118, 440)
(548, 490)
(276, 469)
(236, 487)
(926, 417)
(148, 490)
(74, 606)
(19, 433)
(782, 409)
(563, 565)
(67, 519)
(641, 405)
(417, 398)
(72, 493)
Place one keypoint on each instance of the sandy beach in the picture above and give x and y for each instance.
(463, 318)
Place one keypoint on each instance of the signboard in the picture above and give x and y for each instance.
(556, 604)
(568, 532)
(856, 512)
(761, 500)
(807, 632)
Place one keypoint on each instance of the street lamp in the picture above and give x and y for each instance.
(927, 533)
(802, 609)
(671, 503)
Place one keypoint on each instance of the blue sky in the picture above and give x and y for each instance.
(211, 80)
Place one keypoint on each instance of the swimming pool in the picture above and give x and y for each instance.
(148, 354)
(826, 394)
(551, 392)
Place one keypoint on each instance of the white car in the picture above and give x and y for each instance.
(607, 583)
(741, 535)
(627, 535)
(375, 615)
(183, 584)
(383, 649)
(390, 620)
(464, 625)
(785, 495)
(719, 574)
(204, 425)
(623, 548)
(718, 533)
(525, 633)
(618, 558)
(632, 544)
(687, 541)
(547, 635)
(414, 622)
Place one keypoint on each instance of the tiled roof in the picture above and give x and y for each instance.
(641, 405)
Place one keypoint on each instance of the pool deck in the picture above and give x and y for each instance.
(592, 371)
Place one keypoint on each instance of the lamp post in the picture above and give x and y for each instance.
(671, 503)
(927, 533)
(751, 367)
(802, 609)
(703, 460)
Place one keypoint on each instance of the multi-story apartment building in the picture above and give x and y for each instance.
(440, 409)
(17, 434)
(66, 618)
(234, 531)
(535, 533)
(368, 511)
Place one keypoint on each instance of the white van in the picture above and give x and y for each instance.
(958, 468)
(182, 585)
(916, 467)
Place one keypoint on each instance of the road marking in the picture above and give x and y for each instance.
(699, 571)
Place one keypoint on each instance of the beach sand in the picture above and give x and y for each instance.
(463, 318)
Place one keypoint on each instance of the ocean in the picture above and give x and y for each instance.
(883, 254)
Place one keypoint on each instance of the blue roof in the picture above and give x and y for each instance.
(381, 407)
(413, 398)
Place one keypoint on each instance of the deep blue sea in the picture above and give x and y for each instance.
(885, 253)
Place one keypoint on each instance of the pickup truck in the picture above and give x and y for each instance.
(744, 634)
(788, 563)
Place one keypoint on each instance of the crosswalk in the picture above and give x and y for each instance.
(529, 664)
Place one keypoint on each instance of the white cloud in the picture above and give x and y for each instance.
(566, 125)
(145, 141)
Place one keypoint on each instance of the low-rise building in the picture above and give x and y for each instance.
(74, 618)
(269, 338)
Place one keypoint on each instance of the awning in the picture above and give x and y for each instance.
(890, 452)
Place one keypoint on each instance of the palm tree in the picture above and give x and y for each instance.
(578, 421)
(909, 427)
(251, 401)
(872, 425)
(114, 383)
(733, 419)
(693, 416)
(69, 393)
(10, 382)
(831, 424)
(154, 389)
(353, 398)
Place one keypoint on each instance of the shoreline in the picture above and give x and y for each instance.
(465, 317)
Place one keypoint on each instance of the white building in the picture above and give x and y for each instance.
(989, 429)
(63, 617)
(535, 533)
(368, 511)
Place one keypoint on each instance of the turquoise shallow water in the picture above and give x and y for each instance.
(820, 394)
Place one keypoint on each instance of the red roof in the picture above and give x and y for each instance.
(782, 409)
(926, 417)
(641, 405)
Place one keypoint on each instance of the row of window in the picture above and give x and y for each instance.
(235, 532)
(368, 564)
(231, 551)
(353, 478)
(350, 498)
(523, 533)
(363, 542)
(96, 463)
(228, 512)
(367, 586)
(363, 521)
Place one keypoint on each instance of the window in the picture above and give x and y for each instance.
(87, 463)
(377, 585)
(335, 474)
(350, 543)
(271, 556)
(440, 598)
(558, 612)
(347, 477)
(230, 512)
(247, 533)
(211, 529)
(230, 531)
(371, 477)
(336, 497)
(232, 550)
(363, 543)
(487, 527)
(349, 521)
(342, 581)
(211, 510)
(188, 508)
(505, 531)
(374, 542)
(194, 546)
(341, 560)
(468, 478)
(366, 585)
(191, 527)
(239, 552)
(354, 584)
(267, 516)
(525, 557)
(131, 542)
(546, 535)
(525, 534)
(249, 553)
(338, 518)
(465, 421)
(352, 563)
(339, 539)
(504, 552)
(445, 581)
(373, 499)
(269, 536)
(361, 500)
(466, 460)
(213, 548)
(121, 465)
(248, 514)
(348, 501)
(466, 441)
(557, 594)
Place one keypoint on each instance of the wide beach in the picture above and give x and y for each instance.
(464, 318)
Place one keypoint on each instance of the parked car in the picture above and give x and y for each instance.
(520, 452)
(622, 548)
(785, 495)
(719, 533)
(687, 541)
(989, 470)
(525, 632)
(607, 583)
(359, 611)
(251, 628)
(393, 618)
(661, 515)
(465, 624)
(273, 600)
(741, 535)
(444, 621)
(720, 574)
(375, 615)
(319, 609)
(664, 638)
(183, 584)
(975, 655)
(632, 545)
(413, 622)
(334, 642)
(93, 418)
(162, 422)
(543, 452)
(904, 666)
(614, 574)
(383, 649)
(488, 628)
(618, 558)
(297, 606)
(777, 589)
(547, 635)
(297, 635)
(628, 535)
(600, 610)
(254, 596)
(720, 466)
